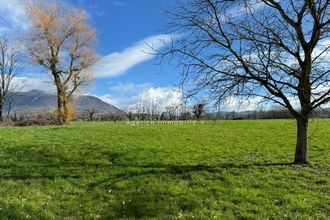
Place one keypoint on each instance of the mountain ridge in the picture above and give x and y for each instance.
(39, 101)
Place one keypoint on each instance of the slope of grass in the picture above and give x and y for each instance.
(227, 169)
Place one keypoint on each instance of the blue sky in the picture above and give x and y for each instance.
(126, 28)
(126, 72)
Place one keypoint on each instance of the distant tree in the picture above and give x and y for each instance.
(171, 111)
(163, 116)
(9, 68)
(115, 117)
(91, 113)
(61, 41)
(185, 111)
(185, 115)
(199, 110)
(233, 114)
(130, 115)
(14, 94)
(14, 117)
(276, 50)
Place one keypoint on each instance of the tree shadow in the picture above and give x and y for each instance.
(144, 205)
(157, 169)
(29, 164)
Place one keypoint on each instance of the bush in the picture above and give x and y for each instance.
(35, 122)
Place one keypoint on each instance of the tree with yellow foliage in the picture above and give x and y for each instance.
(61, 41)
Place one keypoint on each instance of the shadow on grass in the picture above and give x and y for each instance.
(40, 171)
(156, 169)
(156, 202)
(29, 163)
(33, 164)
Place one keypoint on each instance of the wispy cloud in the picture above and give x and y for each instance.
(119, 3)
(118, 63)
(130, 87)
(12, 16)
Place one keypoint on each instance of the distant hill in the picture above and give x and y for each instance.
(36, 100)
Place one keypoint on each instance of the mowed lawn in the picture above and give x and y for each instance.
(222, 170)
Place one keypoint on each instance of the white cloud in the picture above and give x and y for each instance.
(154, 99)
(24, 84)
(12, 16)
(129, 96)
(164, 95)
(108, 98)
(322, 52)
(242, 8)
(237, 104)
(319, 91)
(118, 63)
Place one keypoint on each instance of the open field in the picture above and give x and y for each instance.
(227, 169)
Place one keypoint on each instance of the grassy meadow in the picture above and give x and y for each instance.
(214, 170)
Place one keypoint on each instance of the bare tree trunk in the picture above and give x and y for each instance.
(65, 109)
(91, 116)
(1, 109)
(10, 105)
(1, 113)
(59, 107)
(60, 100)
(302, 141)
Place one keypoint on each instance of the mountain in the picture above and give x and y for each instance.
(36, 100)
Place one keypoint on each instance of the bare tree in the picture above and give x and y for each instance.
(116, 117)
(277, 50)
(61, 40)
(172, 111)
(9, 68)
(91, 113)
(130, 115)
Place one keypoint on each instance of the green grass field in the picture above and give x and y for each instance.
(222, 170)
